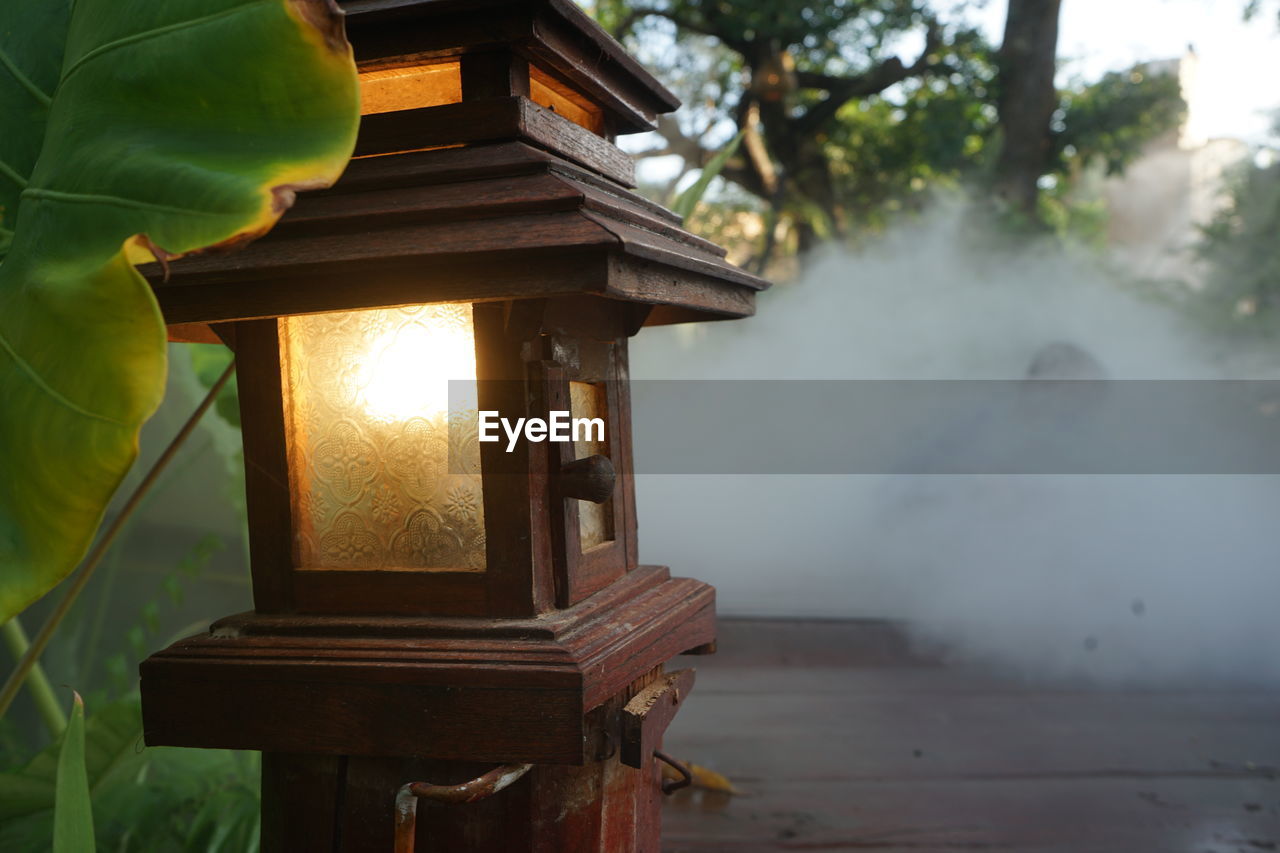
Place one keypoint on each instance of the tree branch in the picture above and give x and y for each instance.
(825, 82)
(664, 151)
(687, 147)
(741, 172)
(684, 22)
(739, 169)
(841, 90)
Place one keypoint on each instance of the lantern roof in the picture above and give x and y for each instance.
(554, 35)
(485, 169)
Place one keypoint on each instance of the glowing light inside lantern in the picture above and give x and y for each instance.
(381, 428)
(407, 371)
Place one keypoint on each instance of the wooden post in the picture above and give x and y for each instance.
(346, 804)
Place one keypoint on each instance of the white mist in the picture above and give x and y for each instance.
(1124, 579)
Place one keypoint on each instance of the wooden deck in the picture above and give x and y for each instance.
(842, 740)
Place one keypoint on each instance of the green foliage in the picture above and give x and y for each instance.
(1068, 214)
(132, 128)
(143, 634)
(1241, 246)
(37, 683)
(890, 154)
(885, 150)
(143, 799)
(818, 31)
(841, 166)
(72, 809)
(209, 362)
(1113, 119)
(689, 199)
(154, 799)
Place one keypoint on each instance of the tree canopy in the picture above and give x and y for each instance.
(852, 109)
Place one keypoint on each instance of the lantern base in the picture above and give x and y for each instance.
(469, 689)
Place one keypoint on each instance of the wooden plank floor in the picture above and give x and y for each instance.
(842, 740)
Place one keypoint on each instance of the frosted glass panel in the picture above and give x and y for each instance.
(595, 521)
(371, 423)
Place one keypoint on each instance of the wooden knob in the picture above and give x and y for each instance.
(588, 479)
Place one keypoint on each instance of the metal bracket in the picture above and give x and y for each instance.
(480, 788)
(670, 786)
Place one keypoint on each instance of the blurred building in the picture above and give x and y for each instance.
(1158, 205)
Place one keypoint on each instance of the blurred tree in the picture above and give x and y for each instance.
(791, 74)
(1253, 8)
(853, 109)
(1241, 248)
(1027, 99)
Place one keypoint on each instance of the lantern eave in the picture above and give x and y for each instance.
(476, 223)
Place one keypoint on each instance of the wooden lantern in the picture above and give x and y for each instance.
(427, 605)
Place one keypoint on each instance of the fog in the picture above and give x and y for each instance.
(1136, 580)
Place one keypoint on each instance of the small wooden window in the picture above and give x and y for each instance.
(556, 95)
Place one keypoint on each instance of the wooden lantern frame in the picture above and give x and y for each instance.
(524, 210)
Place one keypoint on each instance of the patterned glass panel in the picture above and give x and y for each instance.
(595, 521)
(372, 418)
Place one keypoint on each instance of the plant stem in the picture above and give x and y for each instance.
(15, 637)
(94, 557)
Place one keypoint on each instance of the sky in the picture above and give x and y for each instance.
(1239, 62)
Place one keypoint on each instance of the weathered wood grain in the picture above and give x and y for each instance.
(497, 221)
(846, 736)
(266, 463)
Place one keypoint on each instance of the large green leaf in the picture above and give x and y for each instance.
(131, 127)
(73, 810)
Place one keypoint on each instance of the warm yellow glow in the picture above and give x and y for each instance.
(564, 100)
(393, 89)
(406, 371)
(384, 464)
(412, 87)
(595, 521)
